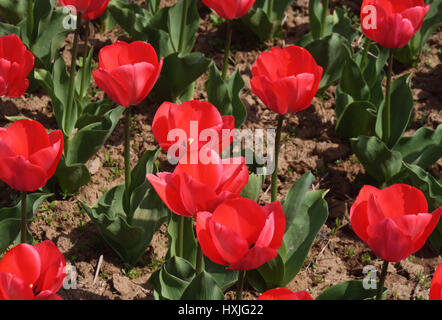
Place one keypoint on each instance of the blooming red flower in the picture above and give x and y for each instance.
(15, 64)
(393, 221)
(127, 71)
(240, 233)
(194, 187)
(285, 294)
(86, 7)
(230, 9)
(192, 117)
(436, 284)
(286, 80)
(28, 155)
(392, 23)
(97, 13)
(32, 272)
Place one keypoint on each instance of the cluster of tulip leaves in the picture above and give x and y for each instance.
(87, 127)
(44, 35)
(128, 219)
(10, 219)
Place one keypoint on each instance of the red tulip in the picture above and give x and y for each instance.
(200, 187)
(15, 64)
(240, 233)
(28, 155)
(97, 13)
(393, 221)
(86, 7)
(392, 23)
(127, 71)
(436, 284)
(285, 294)
(206, 119)
(230, 9)
(32, 272)
(286, 80)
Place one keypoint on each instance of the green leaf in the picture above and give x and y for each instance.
(380, 162)
(353, 83)
(10, 218)
(14, 10)
(273, 272)
(174, 22)
(300, 235)
(253, 188)
(225, 95)
(331, 53)
(86, 67)
(400, 114)
(225, 278)
(423, 148)
(190, 242)
(178, 73)
(315, 12)
(71, 177)
(356, 119)
(348, 290)
(203, 287)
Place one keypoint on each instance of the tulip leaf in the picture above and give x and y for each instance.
(172, 279)
(190, 242)
(353, 83)
(225, 95)
(357, 118)
(316, 13)
(225, 278)
(331, 53)
(379, 162)
(273, 272)
(423, 148)
(253, 188)
(203, 287)
(10, 218)
(178, 73)
(295, 198)
(348, 290)
(14, 10)
(175, 25)
(300, 235)
(71, 177)
(86, 67)
(400, 114)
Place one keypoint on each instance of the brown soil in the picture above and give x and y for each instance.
(309, 144)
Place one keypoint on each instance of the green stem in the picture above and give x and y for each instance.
(270, 8)
(240, 284)
(199, 260)
(71, 92)
(23, 217)
(227, 49)
(127, 176)
(85, 54)
(30, 18)
(367, 43)
(277, 147)
(387, 134)
(180, 251)
(183, 25)
(324, 17)
(382, 280)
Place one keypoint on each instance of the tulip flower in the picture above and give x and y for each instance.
(194, 187)
(436, 284)
(86, 7)
(286, 80)
(97, 13)
(230, 9)
(394, 222)
(32, 272)
(127, 71)
(15, 64)
(285, 294)
(192, 116)
(28, 155)
(392, 23)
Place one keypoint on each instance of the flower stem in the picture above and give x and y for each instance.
(199, 260)
(127, 176)
(180, 245)
(277, 147)
(367, 43)
(30, 18)
(183, 25)
(85, 54)
(270, 8)
(382, 280)
(241, 276)
(324, 17)
(71, 92)
(227, 49)
(23, 217)
(387, 133)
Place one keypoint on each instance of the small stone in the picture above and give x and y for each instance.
(94, 165)
(127, 289)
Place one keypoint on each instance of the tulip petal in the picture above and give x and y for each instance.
(235, 175)
(436, 284)
(285, 294)
(28, 137)
(52, 267)
(31, 176)
(14, 288)
(254, 258)
(402, 199)
(47, 295)
(22, 261)
(275, 209)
